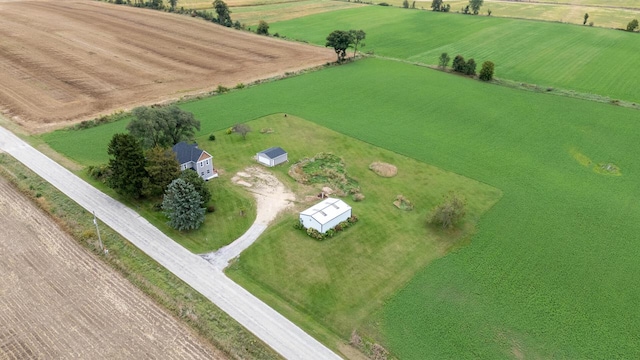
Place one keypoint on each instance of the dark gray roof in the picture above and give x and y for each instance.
(187, 152)
(273, 152)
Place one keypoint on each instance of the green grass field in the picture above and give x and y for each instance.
(579, 58)
(549, 273)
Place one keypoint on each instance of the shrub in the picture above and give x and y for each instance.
(239, 86)
(298, 225)
(211, 208)
(212, 137)
(99, 172)
(222, 89)
(229, 131)
(449, 212)
(263, 28)
(358, 197)
(384, 4)
(353, 219)
(486, 73)
(632, 25)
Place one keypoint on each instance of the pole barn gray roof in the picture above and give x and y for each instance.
(273, 152)
(187, 152)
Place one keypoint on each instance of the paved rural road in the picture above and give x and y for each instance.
(271, 327)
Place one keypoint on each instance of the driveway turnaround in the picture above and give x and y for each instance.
(268, 325)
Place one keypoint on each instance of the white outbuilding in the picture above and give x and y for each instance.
(272, 156)
(325, 215)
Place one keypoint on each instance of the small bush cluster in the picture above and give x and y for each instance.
(104, 119)
(99, 172)
(468, 67)
(315, 234)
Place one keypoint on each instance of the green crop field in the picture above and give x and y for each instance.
(552, 267)
(579, 58)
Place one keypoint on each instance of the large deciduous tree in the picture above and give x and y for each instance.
(224, 14)
(126, 166)
(182, 205)
(358, 36)
(340, 41)
(436, 5)
(449, 212)
(632, 25)
(162, 168)
(162, 126)
(475, 6)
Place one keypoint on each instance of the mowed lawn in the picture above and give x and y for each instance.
(551, 271)
(581, 58)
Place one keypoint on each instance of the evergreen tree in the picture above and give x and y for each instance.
(200, 185)
(126, 165)
(182, 205)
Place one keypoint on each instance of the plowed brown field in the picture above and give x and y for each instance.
(58, 302)
(63, 61)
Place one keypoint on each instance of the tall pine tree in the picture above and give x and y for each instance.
(127, 165)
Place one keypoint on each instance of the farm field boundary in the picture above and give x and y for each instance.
(582, 59)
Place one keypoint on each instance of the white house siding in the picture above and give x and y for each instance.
(264, 160)
(309, 222)
(279, 160)
(331, 224)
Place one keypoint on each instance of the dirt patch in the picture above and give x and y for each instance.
(59, 301)
(68, 61)
(384, 169)
(271, 195)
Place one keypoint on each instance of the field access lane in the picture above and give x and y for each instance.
(268, 325)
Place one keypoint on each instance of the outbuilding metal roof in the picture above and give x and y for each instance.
(273, 152)
(327, 210)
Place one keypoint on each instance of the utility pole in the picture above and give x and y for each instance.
(95, 222)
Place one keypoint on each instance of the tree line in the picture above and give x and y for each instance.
(467, 67)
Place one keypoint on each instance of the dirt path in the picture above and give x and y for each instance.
(271, 196)
(271, 327)
(63, 61)
(57, 301)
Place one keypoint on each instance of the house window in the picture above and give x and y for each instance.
(202, 173)
(201, 162)
(207, 161)
(207, 171)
